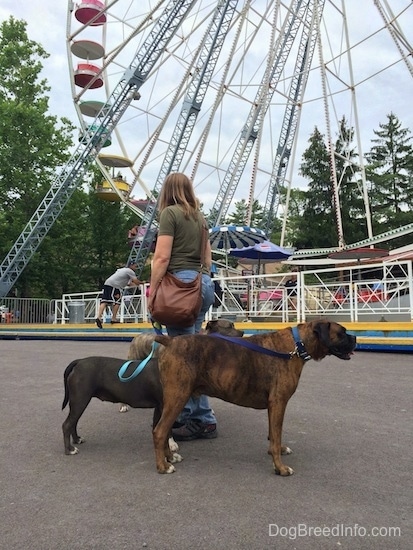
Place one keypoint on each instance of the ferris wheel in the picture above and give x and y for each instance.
(253, 75)
(227, 91)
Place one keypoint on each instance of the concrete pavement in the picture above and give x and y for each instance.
(349, 424)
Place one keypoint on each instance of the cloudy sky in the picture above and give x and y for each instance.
(383, 81)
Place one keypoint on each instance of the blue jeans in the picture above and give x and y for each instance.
(197, 408)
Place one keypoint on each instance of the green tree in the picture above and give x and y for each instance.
(351, 205)
(63, 262)
(33, 144)
(317, 228)
(240, 214)
(321, 215)
(296, 207)
(390, 173)
(89, 239)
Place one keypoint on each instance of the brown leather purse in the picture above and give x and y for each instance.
(177, 303)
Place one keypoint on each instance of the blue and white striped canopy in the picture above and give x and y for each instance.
(224, 237)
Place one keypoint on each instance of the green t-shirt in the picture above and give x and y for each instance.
(186, 247)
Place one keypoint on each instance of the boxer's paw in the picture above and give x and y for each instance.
(283, 470)
(167, 469)
(78, 440)
(284, 450)
(123, 408)
(173, 445)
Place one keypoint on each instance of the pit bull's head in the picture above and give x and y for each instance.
(223, 326)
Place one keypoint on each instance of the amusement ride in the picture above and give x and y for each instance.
(226, 91)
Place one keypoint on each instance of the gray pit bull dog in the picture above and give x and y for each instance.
(98, 377)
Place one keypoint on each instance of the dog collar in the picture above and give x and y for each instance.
(299, 345)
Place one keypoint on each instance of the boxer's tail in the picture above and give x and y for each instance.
(68, 370)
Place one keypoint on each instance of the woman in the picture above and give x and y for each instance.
(178, 250)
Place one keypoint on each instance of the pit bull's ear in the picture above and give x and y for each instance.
(163, 339)
(323, 332)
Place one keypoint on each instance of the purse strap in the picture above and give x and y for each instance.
(203, 241)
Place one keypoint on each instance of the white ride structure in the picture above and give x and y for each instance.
(222, 90)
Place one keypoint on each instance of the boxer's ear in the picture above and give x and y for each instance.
(323, 332)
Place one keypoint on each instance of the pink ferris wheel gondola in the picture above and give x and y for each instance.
(86, 74)
(88, 13)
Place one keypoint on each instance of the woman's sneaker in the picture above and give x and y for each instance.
(194, 429)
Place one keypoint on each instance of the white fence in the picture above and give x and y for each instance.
(372, 292)
(83, 307)
(26, 310)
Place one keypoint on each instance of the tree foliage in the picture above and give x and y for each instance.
(322, 215)
(88, 240)
(33, 144)
(317, 224)
(240, 214)
(389, 171)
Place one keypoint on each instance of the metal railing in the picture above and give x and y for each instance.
(372, 292)
(133, 307)
(26, 310)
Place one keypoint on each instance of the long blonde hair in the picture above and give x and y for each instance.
(177, 189)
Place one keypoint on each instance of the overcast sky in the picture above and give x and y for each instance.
(377, 96)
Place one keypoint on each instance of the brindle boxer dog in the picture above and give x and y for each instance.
(98, 377)
(192, 365)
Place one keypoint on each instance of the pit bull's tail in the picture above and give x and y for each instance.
(68, 370)
(163, 339)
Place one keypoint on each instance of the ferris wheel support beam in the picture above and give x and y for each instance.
(330, 145)
(205, 65)
(72, 174)
(362, 169)
(253, 125)
(396, 33)
(291, 115)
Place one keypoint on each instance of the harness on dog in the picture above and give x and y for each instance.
(299, 350)
(139, 368)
